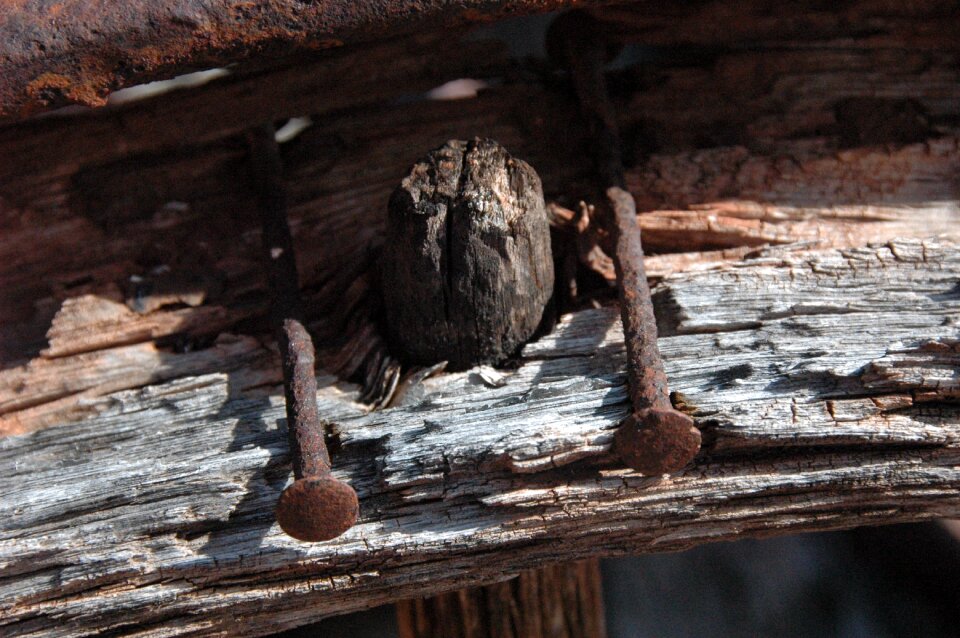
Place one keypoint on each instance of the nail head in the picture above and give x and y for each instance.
(656, 442)
(317, 508)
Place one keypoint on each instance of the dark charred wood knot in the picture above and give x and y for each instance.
(467, 269)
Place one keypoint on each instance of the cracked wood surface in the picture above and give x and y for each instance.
(71, 335)
(824, 380)
(155, 518)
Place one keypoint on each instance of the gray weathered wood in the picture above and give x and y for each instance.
(825, 382)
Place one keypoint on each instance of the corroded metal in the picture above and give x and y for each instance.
(76, 51)
(316, 506)
(655, 438)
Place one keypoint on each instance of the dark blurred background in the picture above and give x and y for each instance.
(900, 580)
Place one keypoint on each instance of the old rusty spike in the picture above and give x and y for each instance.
(316, 506)
(655, 438)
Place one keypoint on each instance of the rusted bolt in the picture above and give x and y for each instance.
(655, 438)
(316, 506)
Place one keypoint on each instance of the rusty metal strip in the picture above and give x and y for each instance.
(54, 53)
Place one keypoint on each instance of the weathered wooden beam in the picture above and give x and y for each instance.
(760, 73)
(825, 383)
(95, 344)
(765, 22)
(183, 119)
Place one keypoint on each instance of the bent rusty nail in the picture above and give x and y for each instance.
(655, 438)
(316, 506)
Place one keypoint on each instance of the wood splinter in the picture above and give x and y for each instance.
(656, 438)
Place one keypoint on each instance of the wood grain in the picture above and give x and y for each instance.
(822, 371)
(155, 518)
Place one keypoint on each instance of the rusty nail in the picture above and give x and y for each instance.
(655, 438)
(316, 506)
